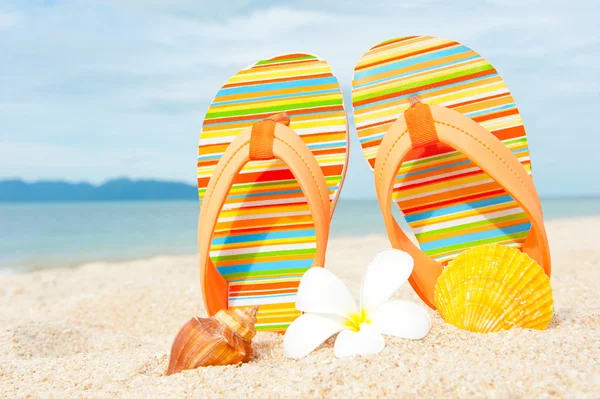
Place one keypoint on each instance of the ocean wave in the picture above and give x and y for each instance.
(7, 271)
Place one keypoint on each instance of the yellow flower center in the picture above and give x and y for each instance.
(356, 319)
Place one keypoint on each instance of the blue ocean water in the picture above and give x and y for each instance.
(45, 235)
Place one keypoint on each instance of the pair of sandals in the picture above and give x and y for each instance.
(437, 125)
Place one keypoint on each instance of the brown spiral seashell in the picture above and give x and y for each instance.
(222, 339)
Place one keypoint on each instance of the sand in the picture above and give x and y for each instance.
(104, 330)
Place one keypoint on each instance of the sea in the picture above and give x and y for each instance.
(36, 236)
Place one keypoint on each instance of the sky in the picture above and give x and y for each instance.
(96, 89)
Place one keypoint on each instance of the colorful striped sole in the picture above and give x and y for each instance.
(265, 237)
(449, 202)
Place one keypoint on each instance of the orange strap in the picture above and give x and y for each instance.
(420, 125)
(291, 149)
(483, 149)
(261, 140)
(262, 136)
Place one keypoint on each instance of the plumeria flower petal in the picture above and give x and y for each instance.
(387, 272)
(321, 291)
(309, 331)
(401, 318)
(365, 341)
(329, 308)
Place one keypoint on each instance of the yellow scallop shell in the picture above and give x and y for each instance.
(493, 288)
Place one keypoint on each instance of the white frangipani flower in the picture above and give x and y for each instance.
(329, 308)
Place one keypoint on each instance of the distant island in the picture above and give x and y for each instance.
(122, 189)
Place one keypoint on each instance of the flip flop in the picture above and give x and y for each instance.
(445, 139)
(271, 161)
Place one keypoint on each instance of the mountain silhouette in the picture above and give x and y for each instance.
(113, 190)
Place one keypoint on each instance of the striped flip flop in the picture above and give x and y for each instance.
(271, 162)
(424, 108)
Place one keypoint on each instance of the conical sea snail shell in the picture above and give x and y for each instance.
(222, 339)
(493, 288)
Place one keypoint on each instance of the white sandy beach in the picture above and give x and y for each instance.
(105, 329)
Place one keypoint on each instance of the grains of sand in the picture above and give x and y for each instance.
(104, 331)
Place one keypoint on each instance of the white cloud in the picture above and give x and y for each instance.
(119, 75)
(269, 24)
(9, 20)
(574, 87)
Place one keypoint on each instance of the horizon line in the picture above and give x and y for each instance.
(191, 185)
